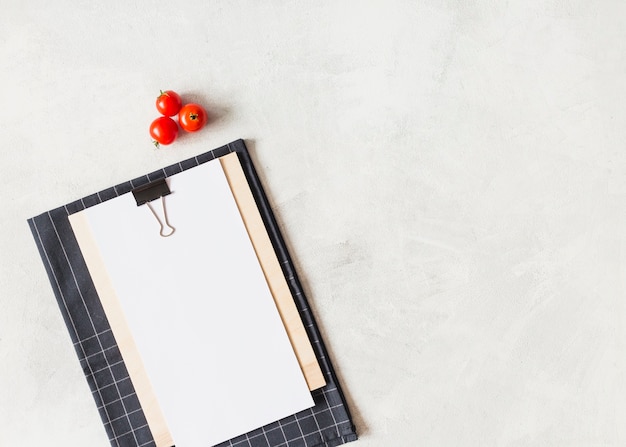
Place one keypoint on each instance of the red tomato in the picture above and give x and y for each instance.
(164, 130)
(192, 117)
(168, 103)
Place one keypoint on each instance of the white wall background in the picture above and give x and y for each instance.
(450, 176)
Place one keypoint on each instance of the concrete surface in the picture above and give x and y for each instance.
(450, 176)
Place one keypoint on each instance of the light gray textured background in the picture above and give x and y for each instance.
(450, 178)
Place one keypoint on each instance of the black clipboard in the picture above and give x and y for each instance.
(328, 423)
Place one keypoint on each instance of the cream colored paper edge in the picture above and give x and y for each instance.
(119, 326)
(272, 271)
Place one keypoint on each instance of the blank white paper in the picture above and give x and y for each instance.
(200, 310)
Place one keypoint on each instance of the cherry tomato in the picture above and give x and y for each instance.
(164, 130)
(168, 103)
(192, 117)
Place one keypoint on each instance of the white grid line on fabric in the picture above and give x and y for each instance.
(300, 428)
(132, 430)
(93, 336)
(66, 308)
(265, 434)
(80, 293)
(99, 352)
(282, 430)
(249, 438)
(123, 416)
(115, 382)
(273, 429)
(120, 399)
(319, 430)
(330, 409)
(106, 367)
(332, 414)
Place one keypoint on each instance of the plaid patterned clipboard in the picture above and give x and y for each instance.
(327, 424)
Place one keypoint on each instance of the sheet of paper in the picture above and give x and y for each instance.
(200, 311)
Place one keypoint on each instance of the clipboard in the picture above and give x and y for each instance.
(327, 423)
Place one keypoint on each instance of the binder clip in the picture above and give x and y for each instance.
(153, 191)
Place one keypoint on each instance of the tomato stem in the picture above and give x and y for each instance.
(156, 143)
(193, 116)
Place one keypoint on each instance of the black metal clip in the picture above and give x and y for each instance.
(153, 191)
